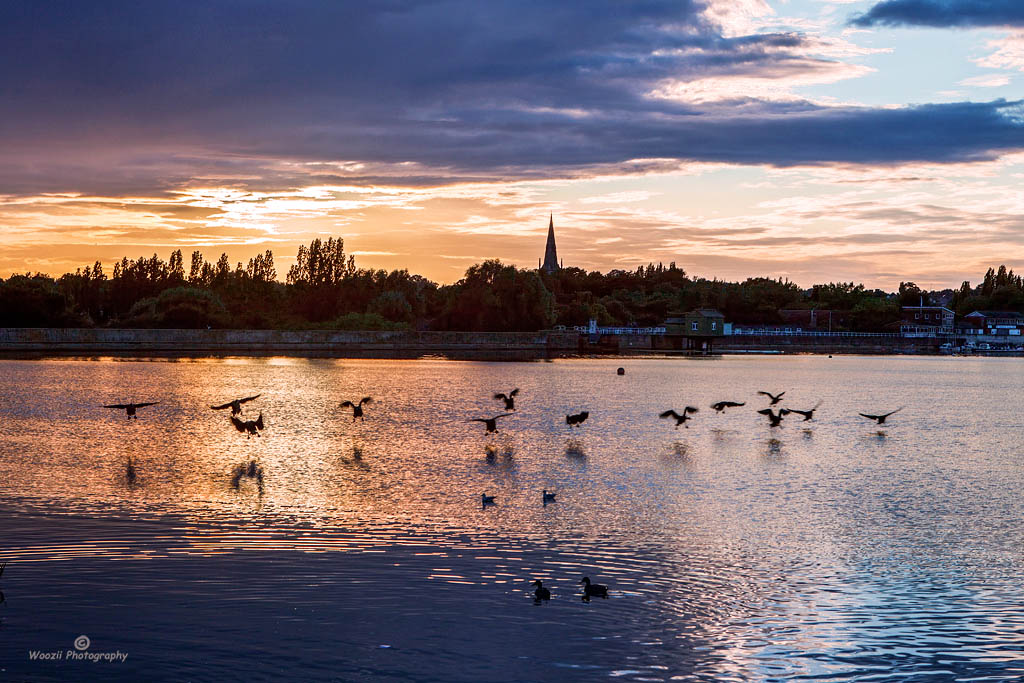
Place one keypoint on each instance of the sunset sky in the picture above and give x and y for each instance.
(818, 140)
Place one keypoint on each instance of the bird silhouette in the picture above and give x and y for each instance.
(774, 397)
(486, 500)
(577, 419)
(680, 419)
(357, 408)
(593, 590)
(808, 414)
(249, 427)
(541, 593)
(130, 408)
(236, 405)
(490, 422)
(880, 419)
(775, 419)
(509, 399)
(129, 472)
(547, 497)
(722, 405)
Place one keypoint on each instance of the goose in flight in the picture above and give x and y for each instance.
(577, 419)
(236, 405)
(880, 419)
(593, 590)
(722, 405)
(774, 397)
(490, 422)
(249, 427)
(541, 593)
(808, 414)
(357, 408)
(680, 419)
(130, 408)
(774, 418)
(509, 399)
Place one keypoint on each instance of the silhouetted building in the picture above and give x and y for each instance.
(926, 321)
(550, 255)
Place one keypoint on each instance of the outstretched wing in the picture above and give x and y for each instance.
(259, 422)
(503, 397)
(365, 399)
(347, 404)
(670, 413)
(239, 425)
(502, 415)
(120, 406)
(477, 419)
(732, 404)
(691, 409)
(514, 392)
(870, 417)
(222, 406)
(248, 398)
(765, 393)
(893, 412)
(765, 411)
(143, 405)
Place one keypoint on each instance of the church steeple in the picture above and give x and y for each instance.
(550, 255)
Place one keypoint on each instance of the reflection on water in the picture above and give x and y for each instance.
(742, 552)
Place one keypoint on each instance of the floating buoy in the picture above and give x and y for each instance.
(620, 371)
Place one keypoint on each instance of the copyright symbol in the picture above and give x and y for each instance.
(82, 643)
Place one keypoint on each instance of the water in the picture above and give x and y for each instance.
(827, 550)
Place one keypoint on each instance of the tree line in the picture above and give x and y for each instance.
(325, 289)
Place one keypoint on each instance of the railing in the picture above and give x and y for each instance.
(582, 329)
(753, 331)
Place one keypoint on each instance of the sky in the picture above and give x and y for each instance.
(814, 140)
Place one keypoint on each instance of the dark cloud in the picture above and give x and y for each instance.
(146, 96)
(943, 13)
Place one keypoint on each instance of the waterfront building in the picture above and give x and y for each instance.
(926, 321)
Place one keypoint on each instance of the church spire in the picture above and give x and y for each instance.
(550, 255)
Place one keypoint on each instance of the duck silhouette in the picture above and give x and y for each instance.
(774, 418)
(808, 414)
(547, 497)
(236, 405)
(486, 500)
(880, 419)
(577, 419)
(680, 419)
(541, 593)
(248, 427)
(357, 408)
(774, 397)
(130, 408)
(593, 590)
(509, 399)
(491, 423)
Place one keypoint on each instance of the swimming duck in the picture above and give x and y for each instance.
(486, 500)
(541, 593)
(593, 590)
(548, 497)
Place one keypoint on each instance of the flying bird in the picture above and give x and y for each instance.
(249, 427)
(775, 418)
(593, 590)
(774, 397)
(509, 399)
(808, 414)
(577, 419)
(722, 405)
(357, 408)
(541, 593)
(130, 408)
(880, 419)
(680, 419)
(490, 422)
(236, 405)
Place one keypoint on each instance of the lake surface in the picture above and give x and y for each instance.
(833, 549)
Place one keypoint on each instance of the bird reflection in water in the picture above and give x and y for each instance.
(357, 459)
(774, 447)
(808, 433)
(505, 451)
(251, 471)
(574, 449)
(129, 471)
